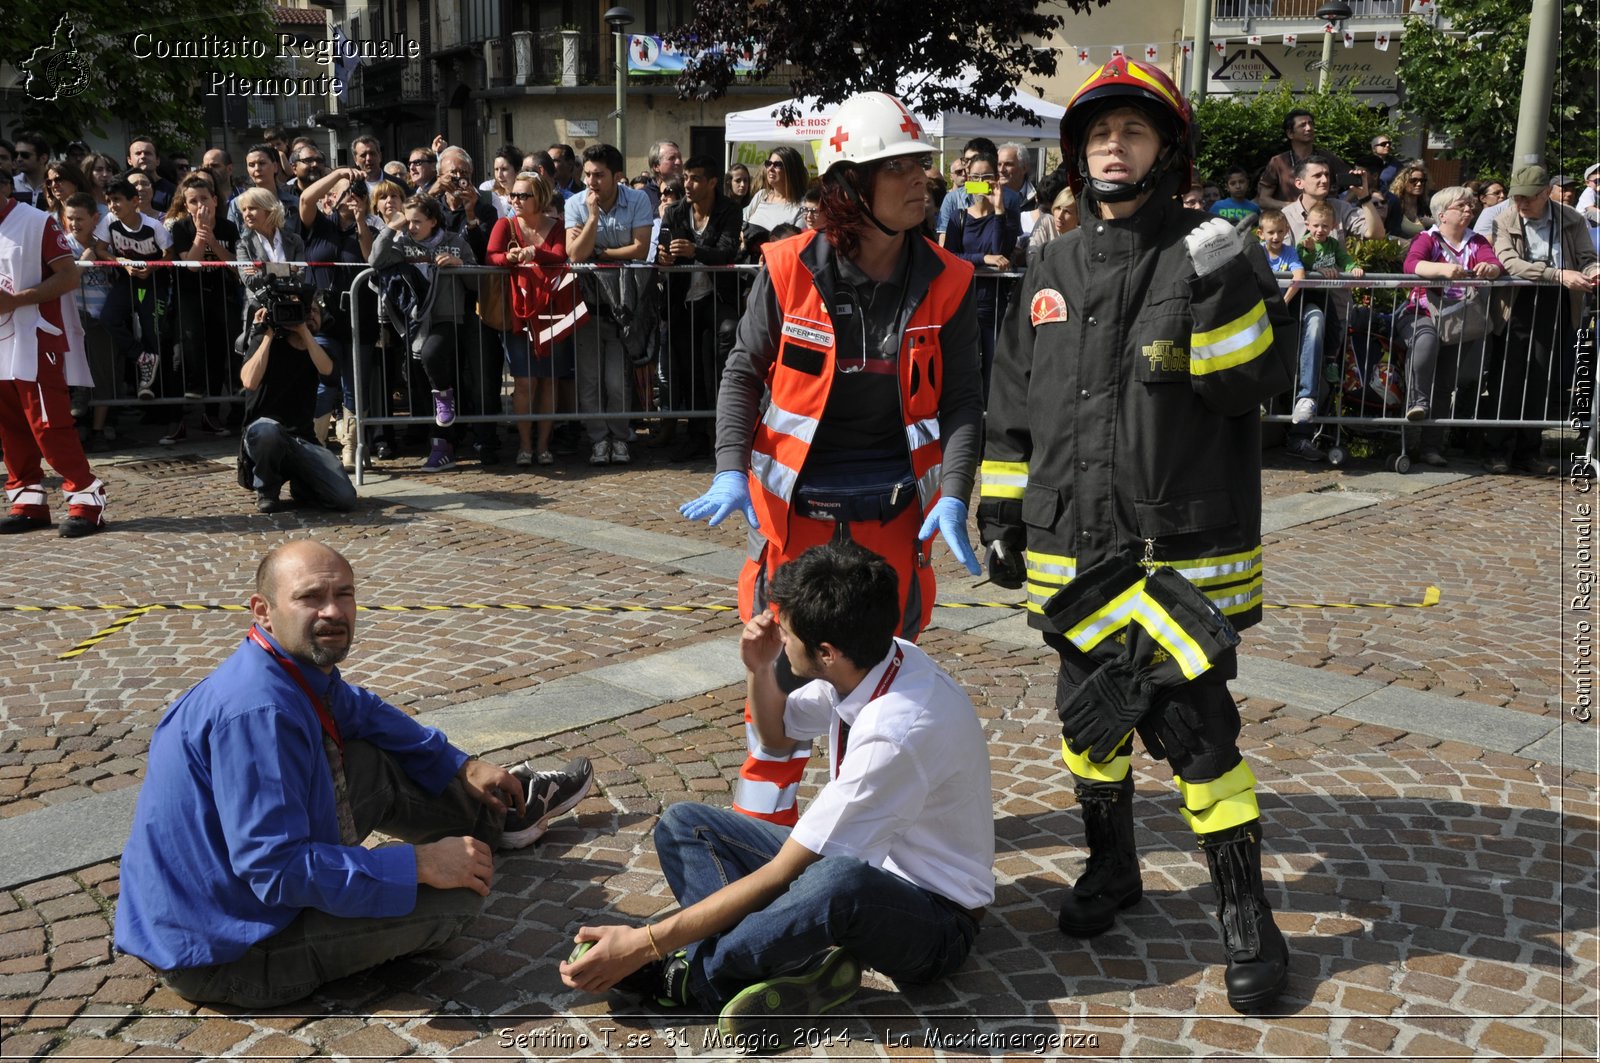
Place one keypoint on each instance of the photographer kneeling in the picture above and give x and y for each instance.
(278, 444)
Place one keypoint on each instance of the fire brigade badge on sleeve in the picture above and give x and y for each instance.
(1048, 305)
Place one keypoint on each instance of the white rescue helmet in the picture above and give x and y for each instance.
(871, 126)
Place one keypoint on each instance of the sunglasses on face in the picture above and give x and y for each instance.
(419, 162)
(1381, 144)
(519, 195)
(907, 164)
(773, 164)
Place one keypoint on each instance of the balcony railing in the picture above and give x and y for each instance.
(385, 83)
(572, 58)
(1305, 10)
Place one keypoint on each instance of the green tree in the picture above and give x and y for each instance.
(1247, 130)
(1468, 82)
(967, 52)
(83, 68)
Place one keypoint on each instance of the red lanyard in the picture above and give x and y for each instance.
(879, 691)
(293, 669)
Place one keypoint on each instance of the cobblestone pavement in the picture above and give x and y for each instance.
(1439, 898)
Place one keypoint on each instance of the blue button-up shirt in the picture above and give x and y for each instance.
(615, 226)
(236, 829)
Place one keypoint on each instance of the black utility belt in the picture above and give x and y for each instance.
(849, 503)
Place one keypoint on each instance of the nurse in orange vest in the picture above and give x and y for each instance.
(865, 335)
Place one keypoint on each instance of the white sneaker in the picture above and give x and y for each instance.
(600, 453)
(619, 453)
(1304, 410)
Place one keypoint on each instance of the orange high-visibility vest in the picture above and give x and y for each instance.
(799, 397)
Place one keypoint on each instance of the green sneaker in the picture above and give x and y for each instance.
(662, 982)
(762, 1014)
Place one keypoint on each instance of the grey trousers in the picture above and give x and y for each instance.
(317, 947)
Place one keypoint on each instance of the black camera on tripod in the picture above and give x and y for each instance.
(287, 300)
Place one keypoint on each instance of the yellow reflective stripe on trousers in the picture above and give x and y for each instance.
(1106, 620)
(1224, 802)
(1234, 600)
(1113, 770)
(774, 475)
(1233, 344)
(1003, 479)
(1159, 624)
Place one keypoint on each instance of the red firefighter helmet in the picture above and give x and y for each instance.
(1126, 82)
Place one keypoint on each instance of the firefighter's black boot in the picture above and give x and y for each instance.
(1111, 881)
(1258, 957)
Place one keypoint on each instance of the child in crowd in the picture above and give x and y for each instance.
(1282, 257)
(1321, 250)
(130, 308)
(1238, 206)
(94, 285)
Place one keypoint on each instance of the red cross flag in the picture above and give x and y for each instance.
(1290, 39)
(1083, 57)
(1188, 49)
(1255, 38)
(1152, 53)
(1422, 7)
(1220, 46)
(1117, 52)
(1327, 27)
(1349, 39)
(1381, 42)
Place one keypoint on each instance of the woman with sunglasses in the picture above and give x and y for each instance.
(1408, 196)
(780, 200)
(865, 334)
(62, 181)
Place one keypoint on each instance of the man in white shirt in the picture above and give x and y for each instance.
(890, 867)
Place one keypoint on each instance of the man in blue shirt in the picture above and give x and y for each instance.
(609, 224)
(244, 881)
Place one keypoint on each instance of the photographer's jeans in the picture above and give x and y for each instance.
(1313, 327)
(312, 472)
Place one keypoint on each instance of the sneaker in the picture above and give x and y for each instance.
(17, 523)
(441, 458)
(212, 428)
(1304, 449)
(1304, 410)
(600, 453)
(383, 450)
(619, 453)
(1498, 464)
(80, 402)
(149, 365)
(546, 458)
(664, 983)
(549, 794)
(76, 527)
(524, 459)
(175, 436)
(444, 407)
(193, 393)
(771, 1008)
(1418, 412)
(1433, 457)
(1535, 465)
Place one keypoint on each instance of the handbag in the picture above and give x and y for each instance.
(1460, 314)
(494, 298)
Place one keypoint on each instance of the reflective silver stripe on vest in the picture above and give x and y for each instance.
(921, 433)
(755, 795)
(790, 424)
(928, 484)
(774, 475)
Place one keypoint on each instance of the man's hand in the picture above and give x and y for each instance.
(1212, 245)
(1574, 280)
(1357, 271)
(591, 200)
(439, 144)
(760, 642)
(493, 785)
(681, 248)
(456, 863)
(618, 952)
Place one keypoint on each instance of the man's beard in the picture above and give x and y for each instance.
(327, 656)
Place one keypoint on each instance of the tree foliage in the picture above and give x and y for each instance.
(962, 54)
(162, 97)
(1468, 83)
(1247, 130)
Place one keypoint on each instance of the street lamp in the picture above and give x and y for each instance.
(1332, 15)
(619, 18)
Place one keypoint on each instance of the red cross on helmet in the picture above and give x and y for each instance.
(868, 127)
(1124, 82)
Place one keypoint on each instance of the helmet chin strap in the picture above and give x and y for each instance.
(1121, 191)
(855, 197)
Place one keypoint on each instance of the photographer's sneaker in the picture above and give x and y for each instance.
(1304, 410)
(773, 1009)
(444, 407)
(549, 794)
(149, 365)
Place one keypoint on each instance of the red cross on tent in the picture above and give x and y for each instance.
(1188, 49)
(1152, 53)
(839, 137)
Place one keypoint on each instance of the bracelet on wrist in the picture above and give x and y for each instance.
(650, 935)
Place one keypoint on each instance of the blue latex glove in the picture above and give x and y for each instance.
(729, 491)
(949, 517)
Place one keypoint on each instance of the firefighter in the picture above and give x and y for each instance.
(1123, 439)
(865, 334)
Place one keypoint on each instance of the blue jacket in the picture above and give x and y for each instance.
(236, 830)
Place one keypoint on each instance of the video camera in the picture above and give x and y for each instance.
(287, 299)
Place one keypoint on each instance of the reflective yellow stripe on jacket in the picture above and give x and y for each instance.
(1244, 338)
(1004, 479)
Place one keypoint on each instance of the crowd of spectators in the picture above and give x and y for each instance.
(590, 351)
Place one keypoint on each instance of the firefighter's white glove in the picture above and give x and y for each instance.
(1213, 244)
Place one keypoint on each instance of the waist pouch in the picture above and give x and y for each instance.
(873, 497)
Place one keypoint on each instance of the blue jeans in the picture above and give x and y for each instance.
(1313, 325)
(313, 474)
(885, 922)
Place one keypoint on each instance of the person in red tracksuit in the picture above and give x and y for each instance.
(37, 365)
(865, 336)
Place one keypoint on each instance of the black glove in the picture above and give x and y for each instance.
(1100, 714)
(1169, 725)
(1090, 591)
(1006, 566)
(1197, 634)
